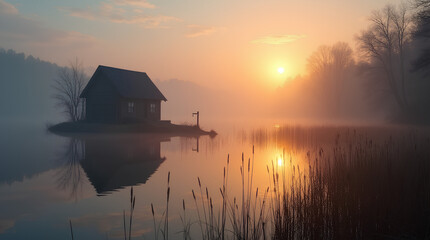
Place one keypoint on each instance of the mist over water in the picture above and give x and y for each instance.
(50, 179)
(338, 148)
(47, 180)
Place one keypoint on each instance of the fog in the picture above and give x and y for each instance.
(379, 78)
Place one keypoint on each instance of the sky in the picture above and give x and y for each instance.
(221, 44)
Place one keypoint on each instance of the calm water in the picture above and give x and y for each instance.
(47, 180)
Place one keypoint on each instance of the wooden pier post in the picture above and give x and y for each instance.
(198, 115)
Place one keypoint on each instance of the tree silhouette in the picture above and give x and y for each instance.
(330, 64)
(422, 33)
(384, 42)
(68, 86)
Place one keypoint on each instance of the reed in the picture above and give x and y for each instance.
(246, 219)
(155, 225)
(130, 222)
(166, 221)
(71, 228)
(132, 204)
(186, 224)
(357, 189)
(360, 187)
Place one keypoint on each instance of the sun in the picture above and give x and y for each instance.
(281, 70)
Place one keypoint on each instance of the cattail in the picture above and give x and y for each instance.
(256, 193)
(134, 201)
(183, 204)
(228, 159)
(168, 194)
(152, 209)
(200, 185)
(194, 196)
(249, 164)
(131, 195)
(252, 149)
(207, 193)
(71, 228)
(168, 178)
(125, 231)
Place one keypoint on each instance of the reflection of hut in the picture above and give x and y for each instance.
(112, 162)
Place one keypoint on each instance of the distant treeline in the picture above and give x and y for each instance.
(25, 87)
(386, 77)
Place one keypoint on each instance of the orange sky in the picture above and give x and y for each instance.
(222, 44)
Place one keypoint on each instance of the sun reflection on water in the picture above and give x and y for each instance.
(280, 161)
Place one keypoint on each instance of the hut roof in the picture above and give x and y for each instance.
(129, 84)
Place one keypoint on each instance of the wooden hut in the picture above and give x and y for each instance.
(116, 95)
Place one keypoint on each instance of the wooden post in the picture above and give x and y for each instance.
(197, 148)
(198, 115)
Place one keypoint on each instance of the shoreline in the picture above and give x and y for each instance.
(98, 128)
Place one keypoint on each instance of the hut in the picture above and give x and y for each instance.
(116, 95)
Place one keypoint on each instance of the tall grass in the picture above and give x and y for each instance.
(164, 217)
(243, 218)
(359, 187)
(130, 223)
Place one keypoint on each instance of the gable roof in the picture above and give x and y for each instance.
(129, 84)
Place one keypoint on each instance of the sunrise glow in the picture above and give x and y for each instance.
(261, 119)
(280, 161)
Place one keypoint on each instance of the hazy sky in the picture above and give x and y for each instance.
(222, 43)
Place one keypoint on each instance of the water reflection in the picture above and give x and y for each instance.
(354, 175)
(110, 162)
(197, 145)
(70, 176)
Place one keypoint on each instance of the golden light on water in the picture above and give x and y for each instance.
(280, 161)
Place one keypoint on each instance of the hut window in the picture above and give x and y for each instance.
(130, 107)
(152, 107)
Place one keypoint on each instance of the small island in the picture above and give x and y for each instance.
(163, 127)
(117, 101)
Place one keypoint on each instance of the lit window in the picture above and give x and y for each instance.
(130, 107)
(152, 107)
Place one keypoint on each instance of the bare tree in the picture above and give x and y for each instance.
(402, 24)
(68, 86)
(320, 61)
(422, 32)
(384, 42)
(330, 64)
(331, 61)
(423, 10)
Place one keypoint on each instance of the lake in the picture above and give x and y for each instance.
(354, 174)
